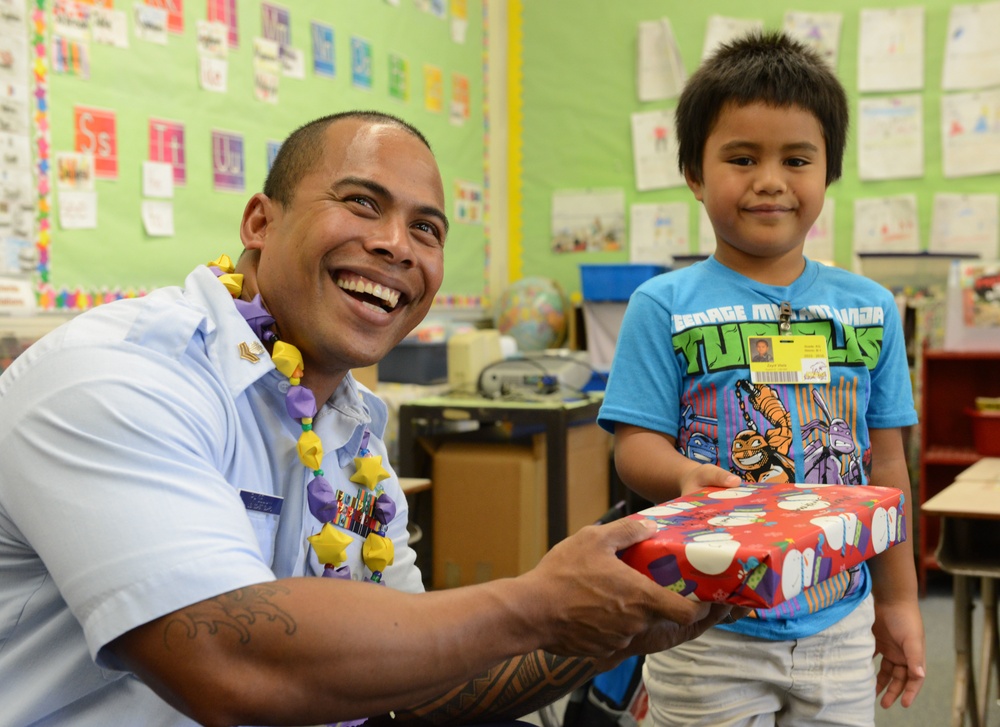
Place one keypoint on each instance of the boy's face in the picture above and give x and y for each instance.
(763, 183)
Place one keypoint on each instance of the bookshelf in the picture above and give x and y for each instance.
(950, 383)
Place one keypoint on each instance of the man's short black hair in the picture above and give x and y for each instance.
(302, 149)
(770, 68)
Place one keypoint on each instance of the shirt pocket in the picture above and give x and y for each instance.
(265, 527)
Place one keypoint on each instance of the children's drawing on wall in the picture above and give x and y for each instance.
(966, 223)
(266, 69)
(213, 49)
(722, 29)
(819, 31)
(972, 51)
(970, 133)
(468, 202)
(658, 231)
(891, 137)
(75, 187)
(886, 224)
(588, 220)
(654, 150)
(891, 49)
(659, 67)
(71, 39)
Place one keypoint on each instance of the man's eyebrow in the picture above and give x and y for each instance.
(383, 191)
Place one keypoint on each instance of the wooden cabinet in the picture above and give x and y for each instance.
(950, 382)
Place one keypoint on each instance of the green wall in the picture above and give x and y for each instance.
(579, 90)
(149, 80)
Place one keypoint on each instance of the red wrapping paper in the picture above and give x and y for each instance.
(759, 545)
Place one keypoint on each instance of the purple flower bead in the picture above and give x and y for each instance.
(385, 509)
(255, 313)
(322, 499)
(300, 402)
(342, 572)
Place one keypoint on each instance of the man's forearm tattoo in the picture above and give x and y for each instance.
(507, 691)
(235, 611)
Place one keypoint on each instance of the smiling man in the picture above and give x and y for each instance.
(198, 522)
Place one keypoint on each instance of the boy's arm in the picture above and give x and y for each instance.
(649, 464)
(899, 631)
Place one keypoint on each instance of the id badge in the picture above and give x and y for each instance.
(788, 360)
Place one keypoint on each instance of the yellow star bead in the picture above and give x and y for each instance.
(310, 450)
(330, 545)
(287, 359)
(223, 263)
(369, 471)
(378, 552)
(233, 283)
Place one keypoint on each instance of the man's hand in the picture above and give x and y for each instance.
(591, 604)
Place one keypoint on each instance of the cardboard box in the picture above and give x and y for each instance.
(759, 545)
(367, 376)
(490, 507)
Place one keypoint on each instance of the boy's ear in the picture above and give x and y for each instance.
(257, 216)
(693, 184)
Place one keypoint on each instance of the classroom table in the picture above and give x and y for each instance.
(554, 415)
(969, 509)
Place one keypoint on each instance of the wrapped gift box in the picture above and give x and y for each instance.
(758, 545)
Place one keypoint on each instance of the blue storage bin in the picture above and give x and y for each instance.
(615, 281)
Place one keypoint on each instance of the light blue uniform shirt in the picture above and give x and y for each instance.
(126, 436)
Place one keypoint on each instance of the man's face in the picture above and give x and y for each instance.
(763, 182)
(354, 262)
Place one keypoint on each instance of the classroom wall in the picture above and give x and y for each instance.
(149, 80)
(578, 89)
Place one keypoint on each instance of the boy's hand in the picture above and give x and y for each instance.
(899, 638)
(707, 475)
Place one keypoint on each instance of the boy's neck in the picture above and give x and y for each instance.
(781, 271)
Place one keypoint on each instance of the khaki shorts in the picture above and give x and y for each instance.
(722, 679)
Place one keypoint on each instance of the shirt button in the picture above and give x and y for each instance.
(284, 386)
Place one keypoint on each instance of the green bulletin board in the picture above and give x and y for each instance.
(148, 83)
(579, 91)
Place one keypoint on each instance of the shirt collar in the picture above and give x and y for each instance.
(243, 360)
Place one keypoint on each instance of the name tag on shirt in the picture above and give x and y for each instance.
(788, 360)
(259, 502)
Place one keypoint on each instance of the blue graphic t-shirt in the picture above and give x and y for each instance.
(682, 367)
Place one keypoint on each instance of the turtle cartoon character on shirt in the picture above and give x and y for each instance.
(763, 456)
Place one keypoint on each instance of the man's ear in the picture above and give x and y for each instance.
(693, 184)
(257, 217)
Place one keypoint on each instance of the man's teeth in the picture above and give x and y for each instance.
(388, 295)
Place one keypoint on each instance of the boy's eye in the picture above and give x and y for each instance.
(741, 161)
(797, 162)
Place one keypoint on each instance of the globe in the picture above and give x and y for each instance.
(534, 312)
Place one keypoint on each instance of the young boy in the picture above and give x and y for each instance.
(762, 127)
